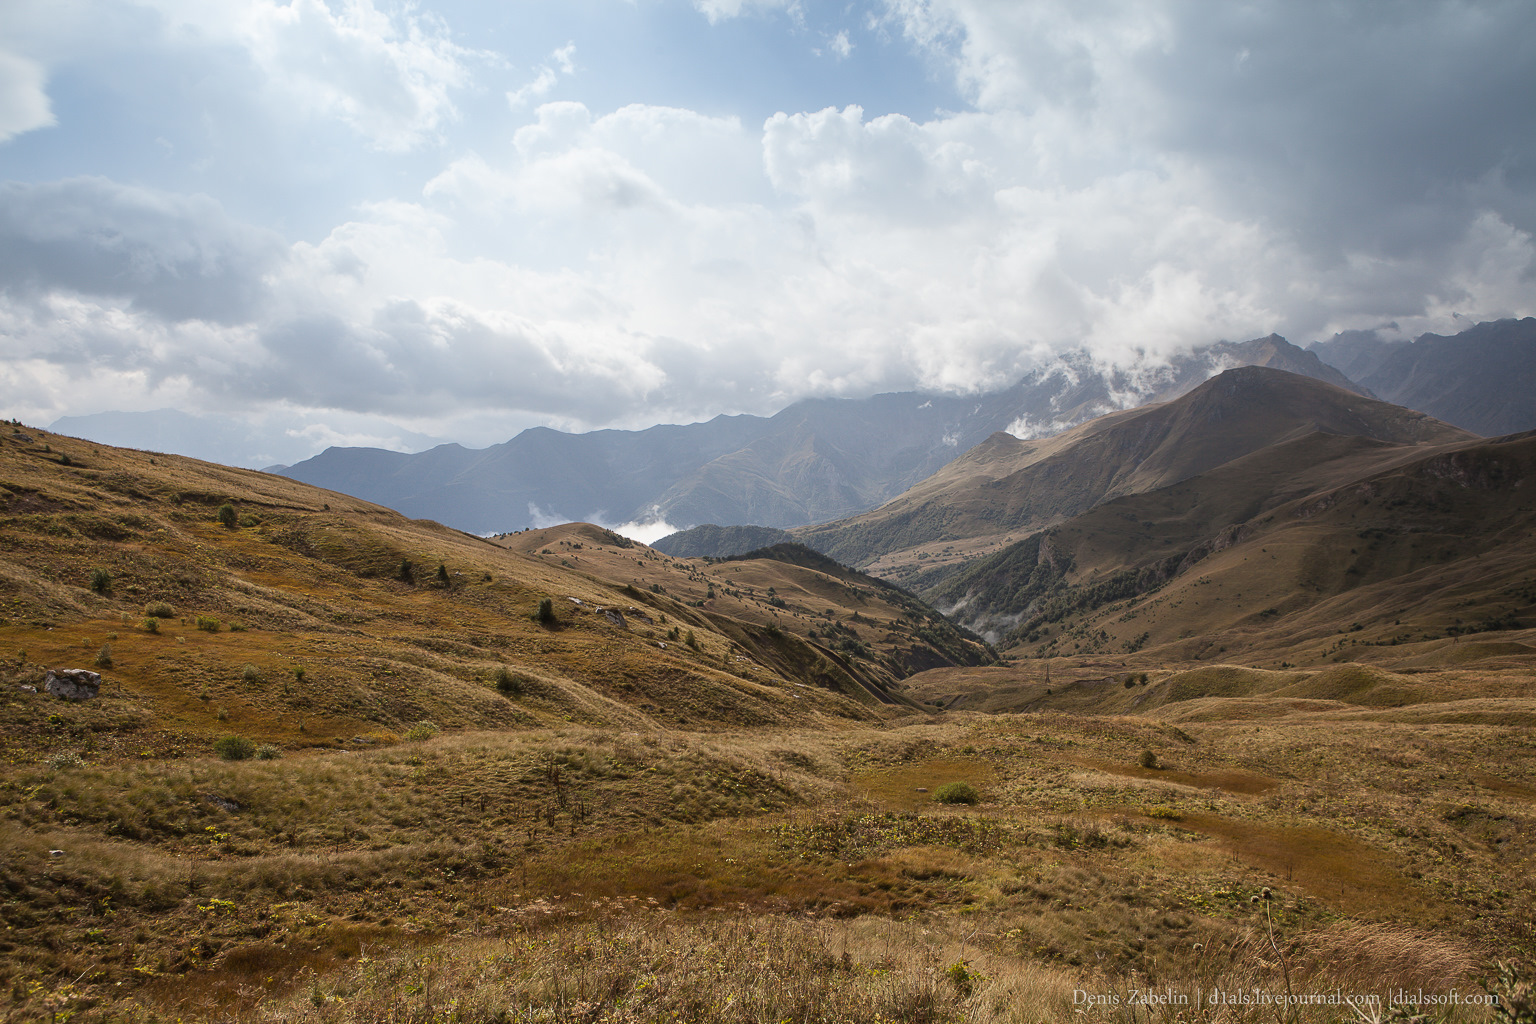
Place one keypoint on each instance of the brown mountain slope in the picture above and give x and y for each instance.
(1322, 549)
(861, 627)
(1011, 486)
(317, 618)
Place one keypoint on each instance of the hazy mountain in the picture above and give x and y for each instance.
(220, 439)
(1009, 485)
(1483, 379)
(817, 460)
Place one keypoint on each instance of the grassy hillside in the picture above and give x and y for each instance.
(797, 609)
(1319, 550)
(317, 618)
(608, 823)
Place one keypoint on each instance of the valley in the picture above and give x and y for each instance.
(366, 768)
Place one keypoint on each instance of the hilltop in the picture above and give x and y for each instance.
(1324, 548)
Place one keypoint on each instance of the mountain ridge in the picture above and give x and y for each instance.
(817, 460)
(1482, 379)
(1013, 486)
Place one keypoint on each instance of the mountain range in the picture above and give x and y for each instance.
(817, 460)
(1483, 379)
(1007, 487)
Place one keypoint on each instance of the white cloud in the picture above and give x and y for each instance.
(1122, 180)
(646, 532)
(546, 79)
(23, 101)
(389, 76)
(719, 10)
(543, 82)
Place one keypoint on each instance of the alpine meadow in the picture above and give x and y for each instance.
(767, 512)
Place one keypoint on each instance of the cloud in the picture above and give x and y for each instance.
(1377, 130)
(546, 79)
(23, 102)
(720, 10)
(645, 532)
(1133, 178)
(177, 257)
(387, 75)
(569, 162)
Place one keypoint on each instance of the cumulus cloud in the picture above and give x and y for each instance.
(387, 75)
(178, 257)
(24, 103)
(1355, 134)
(1133, 179)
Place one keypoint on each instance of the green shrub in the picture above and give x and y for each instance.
(406, 572)
(101, 581)
(151, 625)
(104, 656)
(442, 574)
(228, 517)
(234, 748)
(159, 610)
(691, 640)
(957, 793)
(963, 976)
(546, 612)
(423, 730)
(250, 673)
(507, 682)
(208, 625)
(1147, 759)
(267, 752)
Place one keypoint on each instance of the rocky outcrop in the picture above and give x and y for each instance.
(73, 683)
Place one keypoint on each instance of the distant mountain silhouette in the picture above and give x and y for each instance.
(817, 460)
(1483, 379)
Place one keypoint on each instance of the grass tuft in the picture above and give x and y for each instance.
(957, 793)
(234, 748)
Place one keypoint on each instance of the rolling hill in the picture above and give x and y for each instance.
(700, 789)
(313, 618)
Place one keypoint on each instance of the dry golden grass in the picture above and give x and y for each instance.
(650, 873)
(644, 834)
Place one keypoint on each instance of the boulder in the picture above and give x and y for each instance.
(73, 683)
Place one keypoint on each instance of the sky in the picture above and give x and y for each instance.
(370, 222)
